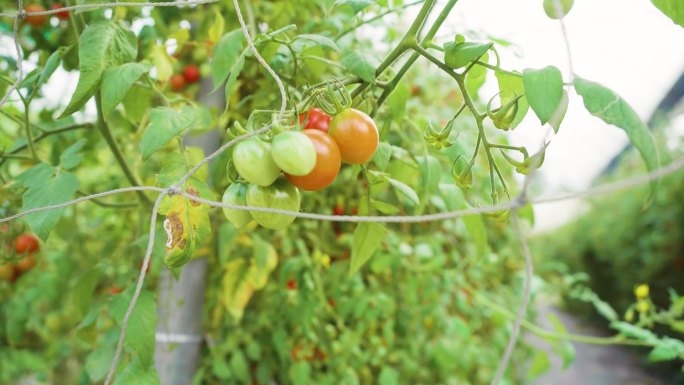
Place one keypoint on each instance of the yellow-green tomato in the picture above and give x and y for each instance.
(294, 153)
(280, 195)
(253, 161)
(236, 194)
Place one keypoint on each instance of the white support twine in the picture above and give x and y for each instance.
(176, 189)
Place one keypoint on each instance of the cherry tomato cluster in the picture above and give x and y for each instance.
(40, 20)
(310, 159)
(190, 75)
(25, 245)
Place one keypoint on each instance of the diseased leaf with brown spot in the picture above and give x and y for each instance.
(186, 224)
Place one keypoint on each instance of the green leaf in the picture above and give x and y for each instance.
(359, 65)
(558, 115)
(384, 207)
(430, 175)
(141, 325)
(454, 199)
(674, 9)
(226, 54)
(117, 81)
(98, 362)
(388, 376)
(83, 291)
(239, 366)
(557, 9)
(300, 373)
(319, 40)
(563, 348)
(544, 91)
(72, 157)
(404, 190)
(540, 364)
(477, 230)
(612, 109)
(136, 102)
(135, 374)
(457, 55)
(355, 5)
(51, 64)
(396, 102)
(511, 87)
(367, 239)
(46, 188)
(102, 45)
(230, 84)
(382, 155)
(165, 124)
(663, 352)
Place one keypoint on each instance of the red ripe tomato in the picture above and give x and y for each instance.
(62, 15)
(35, 20)
(191, 73)
(316, 119)
(177, 82)
(328, 163)
(26, 243)
(292, 284)
(338, 210)
(355, 134)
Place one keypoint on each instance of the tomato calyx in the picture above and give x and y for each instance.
(503, 116)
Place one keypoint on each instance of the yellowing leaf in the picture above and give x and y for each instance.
(243, 277)
(162, 62)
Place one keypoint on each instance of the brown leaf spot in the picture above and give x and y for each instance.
(174, 232)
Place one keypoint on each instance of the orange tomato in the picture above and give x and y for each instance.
(355, 134)
(328, 163)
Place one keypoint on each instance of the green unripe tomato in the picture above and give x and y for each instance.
(236, 194)
(294, 153)
(552, 9)
(279, 195)
(253, 161)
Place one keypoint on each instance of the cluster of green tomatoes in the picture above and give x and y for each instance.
(309, 159)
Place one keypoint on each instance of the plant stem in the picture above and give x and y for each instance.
(377, 17)
(403, 45)
(49, 133)
(114, 147)
(541, 332)
(105, 204)
(414, 56)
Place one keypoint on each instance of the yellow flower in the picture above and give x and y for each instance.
(641, 291)
(325, 261)
(642, 306)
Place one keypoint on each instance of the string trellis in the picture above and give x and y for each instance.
(514, 204)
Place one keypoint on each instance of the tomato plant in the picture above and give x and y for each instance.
(262, 297)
